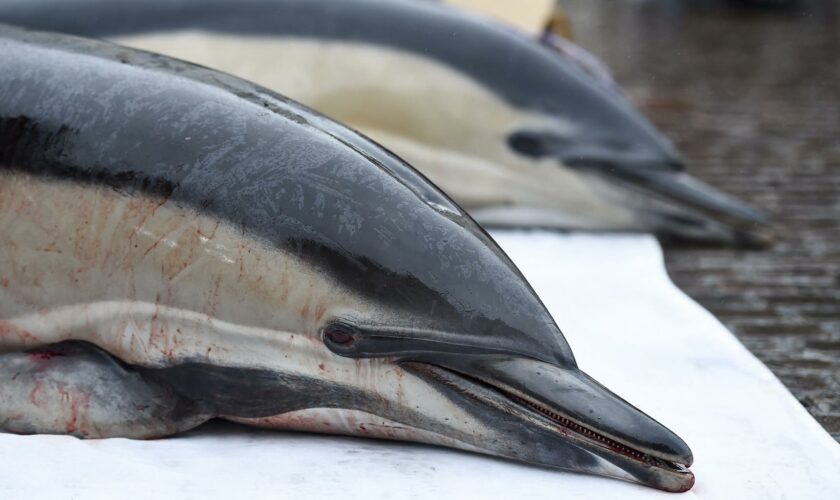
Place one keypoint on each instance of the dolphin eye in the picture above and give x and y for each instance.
(340, 335)
(527, 143)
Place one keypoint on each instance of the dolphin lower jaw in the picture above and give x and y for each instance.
(359, 423)
(565, 444)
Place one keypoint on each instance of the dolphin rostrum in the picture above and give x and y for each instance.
(513, 129)
(179, 245)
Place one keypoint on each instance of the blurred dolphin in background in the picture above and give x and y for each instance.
(514, 130)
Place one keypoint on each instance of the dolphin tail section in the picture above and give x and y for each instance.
(77, 388)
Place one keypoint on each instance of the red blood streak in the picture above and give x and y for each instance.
(44, 355)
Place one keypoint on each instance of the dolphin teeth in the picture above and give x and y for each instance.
(592, 435)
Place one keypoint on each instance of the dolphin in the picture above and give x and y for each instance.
(515, 130)
(179, 245)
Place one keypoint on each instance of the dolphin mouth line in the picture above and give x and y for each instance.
(563, 424)
(598, 439)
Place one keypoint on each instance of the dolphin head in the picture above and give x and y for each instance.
(600, 138)
(434, 336)
(606, 128)
(532, 407)
(488, 381)
(480, 368)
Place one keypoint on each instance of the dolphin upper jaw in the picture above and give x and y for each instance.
(556, 439)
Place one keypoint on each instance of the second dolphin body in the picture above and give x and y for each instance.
(516, 132)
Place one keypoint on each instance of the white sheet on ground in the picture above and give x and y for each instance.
(629, 327)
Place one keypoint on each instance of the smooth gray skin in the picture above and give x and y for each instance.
(434, 302)
(612, 146)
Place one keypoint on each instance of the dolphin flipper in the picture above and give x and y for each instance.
(77, 388)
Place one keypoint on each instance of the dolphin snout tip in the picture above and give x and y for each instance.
(683, 484)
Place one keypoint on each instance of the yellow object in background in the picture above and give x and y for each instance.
(559, 24)
(528, 15)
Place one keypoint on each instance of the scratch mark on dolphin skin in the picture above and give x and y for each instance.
(214, 296)
(24, 337)
(320, 310)
(150, 212)
(12, 418)
(241, 259)
(33, 394)
(154, 245)
(208, 236)
(155, 332)
(77, 405)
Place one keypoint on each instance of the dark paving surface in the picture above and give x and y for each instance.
(752, 98)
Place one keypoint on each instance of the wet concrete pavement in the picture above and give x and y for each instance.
(752, 99)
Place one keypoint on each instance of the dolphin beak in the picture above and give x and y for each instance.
(582, 413)
(646, 178)
(675, 205)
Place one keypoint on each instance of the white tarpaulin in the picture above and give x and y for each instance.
(629, 327)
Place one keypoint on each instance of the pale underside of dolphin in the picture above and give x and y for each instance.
(514, 130)
(179, 245)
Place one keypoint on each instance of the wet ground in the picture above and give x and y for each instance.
(752, 98)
